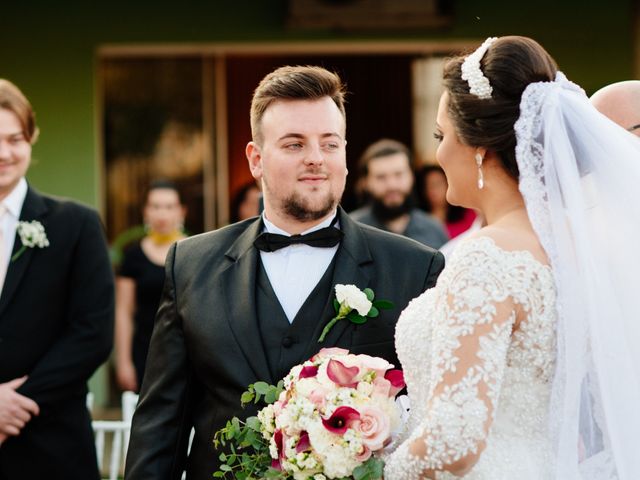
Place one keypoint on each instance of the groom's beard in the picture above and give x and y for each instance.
(386, 213)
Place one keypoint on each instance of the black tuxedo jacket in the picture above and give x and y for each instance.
(206, 349)
(56, 326)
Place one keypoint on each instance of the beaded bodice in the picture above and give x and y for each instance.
(478, 354)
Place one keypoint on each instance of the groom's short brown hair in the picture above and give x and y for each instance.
(13, 100)
(295, 83)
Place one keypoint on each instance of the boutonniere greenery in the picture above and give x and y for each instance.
(31, 235)
(355, 305)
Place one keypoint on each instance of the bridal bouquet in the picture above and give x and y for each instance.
(328, 419)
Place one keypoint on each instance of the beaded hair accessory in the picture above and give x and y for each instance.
(478, 84)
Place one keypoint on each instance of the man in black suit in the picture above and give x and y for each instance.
(56, 314)
(240, 305)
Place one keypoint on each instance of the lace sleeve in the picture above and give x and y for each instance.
(469, 342)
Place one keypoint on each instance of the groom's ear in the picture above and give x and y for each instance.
(254, 156)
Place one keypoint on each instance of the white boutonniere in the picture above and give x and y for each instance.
(31, 235)
(355, 305)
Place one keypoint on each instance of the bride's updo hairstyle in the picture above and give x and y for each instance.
(510, 64)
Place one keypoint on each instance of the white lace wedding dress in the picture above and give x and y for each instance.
(491, 405)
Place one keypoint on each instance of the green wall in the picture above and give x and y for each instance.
(49, 51)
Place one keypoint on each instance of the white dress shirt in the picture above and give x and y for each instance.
(13, 203)
(294, 271)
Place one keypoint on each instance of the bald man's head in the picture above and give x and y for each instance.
(621, 103)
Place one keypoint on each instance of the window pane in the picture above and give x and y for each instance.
(152, 130)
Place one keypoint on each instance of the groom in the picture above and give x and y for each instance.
(249, 301)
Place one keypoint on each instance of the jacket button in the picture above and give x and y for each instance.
(287, 342)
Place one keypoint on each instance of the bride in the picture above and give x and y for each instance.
(523, 362)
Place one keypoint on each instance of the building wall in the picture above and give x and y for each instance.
(49, 51)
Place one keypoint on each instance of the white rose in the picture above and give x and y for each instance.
(354, 298)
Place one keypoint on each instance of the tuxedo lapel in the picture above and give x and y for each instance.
(32, 209)
(351, 260)
(239, 284)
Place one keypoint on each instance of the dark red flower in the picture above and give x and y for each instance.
(341, 420)
(279, 439)
(308, 372)
(303, 444)
(396, 378)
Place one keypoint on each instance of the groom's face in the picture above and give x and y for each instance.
(15, 152)
(301, 160)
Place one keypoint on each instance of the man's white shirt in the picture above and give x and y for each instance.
(13, 203)
(294, 271)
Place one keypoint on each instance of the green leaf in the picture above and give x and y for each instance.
(261, 387)
(357, 319)
(271, 395)
(383, 304)
(247, 397)
(372, 469)
(336, 305)
(225, 468)
(369, 293)
(254, 424)
(373, 313)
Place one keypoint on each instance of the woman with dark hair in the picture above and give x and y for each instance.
(140, 279)
(523, 361)
(432, 193)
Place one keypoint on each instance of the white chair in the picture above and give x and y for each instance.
(129, 401)
(112, 436)
(116, 430)
(119, 432)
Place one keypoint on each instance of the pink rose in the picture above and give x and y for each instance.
(280, 403)
(375, 427)
(377, 364)
(381, 387)
(329, 352)
(364, 455)
(319, 398)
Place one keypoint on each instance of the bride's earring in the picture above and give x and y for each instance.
(480, 175)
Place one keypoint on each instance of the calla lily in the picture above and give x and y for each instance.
(303, 444)
(342, 375)
(341, 420)
(396, 377)
(278, 437)
(308, 372)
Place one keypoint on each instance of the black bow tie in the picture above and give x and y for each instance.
(325, 238)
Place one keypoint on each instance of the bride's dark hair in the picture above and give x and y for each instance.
(510, 64)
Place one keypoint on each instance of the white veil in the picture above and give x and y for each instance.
(580, 178)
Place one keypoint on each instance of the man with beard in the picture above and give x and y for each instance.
(388, 180)
(249, 301)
